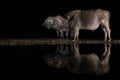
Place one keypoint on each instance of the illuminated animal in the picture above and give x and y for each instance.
(89, 20)
(59, 24)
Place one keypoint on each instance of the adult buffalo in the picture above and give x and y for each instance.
(59, 24)
(89, 20)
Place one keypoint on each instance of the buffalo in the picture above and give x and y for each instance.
(58, 23)
(89, 20)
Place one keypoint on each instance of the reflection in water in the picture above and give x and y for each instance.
(68, 56)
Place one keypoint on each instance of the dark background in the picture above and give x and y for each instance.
(23, 19)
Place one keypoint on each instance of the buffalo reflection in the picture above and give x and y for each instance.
(68, 56)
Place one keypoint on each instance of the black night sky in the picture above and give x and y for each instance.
(24, 19)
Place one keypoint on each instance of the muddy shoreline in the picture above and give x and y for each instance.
(51, 41)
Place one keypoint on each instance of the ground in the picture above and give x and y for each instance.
(51, 41)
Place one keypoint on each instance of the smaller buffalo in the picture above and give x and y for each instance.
(59, 24)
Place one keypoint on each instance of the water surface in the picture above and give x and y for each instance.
(63, 61)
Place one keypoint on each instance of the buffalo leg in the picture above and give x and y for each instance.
(66, 34)
(107, 29)
(61, 35)
(105, 34)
